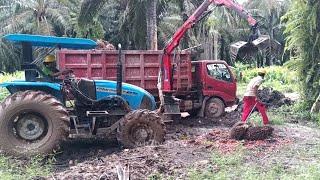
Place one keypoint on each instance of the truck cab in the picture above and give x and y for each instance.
(215, 79)
(213, 88)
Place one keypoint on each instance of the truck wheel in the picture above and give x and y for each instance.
(32, 122)
(139, 128)
(214, 108)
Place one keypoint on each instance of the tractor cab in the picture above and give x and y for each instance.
(34, 67)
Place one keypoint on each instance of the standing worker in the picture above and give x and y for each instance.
(250, 98)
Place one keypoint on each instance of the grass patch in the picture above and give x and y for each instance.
(301, 112)
(287, 114)
(236, 166)
(277, 116)
(11, 168)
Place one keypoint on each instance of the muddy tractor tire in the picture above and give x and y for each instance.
(140, 128)
(32, 122)
(214, 108)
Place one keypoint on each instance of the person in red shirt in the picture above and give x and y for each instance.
(250, 98)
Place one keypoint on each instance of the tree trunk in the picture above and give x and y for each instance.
(222, 50)
(152, 39)
(215, 45)
(316, 105)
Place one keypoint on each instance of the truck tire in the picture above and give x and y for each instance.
(214, 108)
(32, 122)
(140, 127)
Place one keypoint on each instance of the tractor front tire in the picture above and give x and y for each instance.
(32, 122)
(214, 108)
(139, 128)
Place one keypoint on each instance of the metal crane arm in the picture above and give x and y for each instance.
(167, 74)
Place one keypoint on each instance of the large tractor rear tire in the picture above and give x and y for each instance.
(140, 128)
(214, 108)
(32, 122)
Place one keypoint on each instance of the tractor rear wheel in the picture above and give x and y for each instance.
(32, 122)
(214, 108)
(139, 128)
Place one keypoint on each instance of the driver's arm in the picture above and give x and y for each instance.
(55, 72)
(63, 72)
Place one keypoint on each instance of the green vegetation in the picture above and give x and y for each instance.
(6, 78)
(33, 168)
(133, 23)
(302, 27)
(235, 166)
(297, 113)
(279, 78)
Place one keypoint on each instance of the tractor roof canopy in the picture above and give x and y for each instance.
(52, 41)
(28, 41)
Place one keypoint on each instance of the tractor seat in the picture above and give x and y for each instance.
(88, 88)
(84, 92)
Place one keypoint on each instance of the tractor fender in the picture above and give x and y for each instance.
(53, 89)
(204, 102)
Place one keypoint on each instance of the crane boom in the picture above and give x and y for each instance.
(167, 78)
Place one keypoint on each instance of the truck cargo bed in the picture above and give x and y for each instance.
(140, 68)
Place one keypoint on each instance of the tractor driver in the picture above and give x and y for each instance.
(50, 67)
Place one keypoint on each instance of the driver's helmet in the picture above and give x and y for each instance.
(49, 59)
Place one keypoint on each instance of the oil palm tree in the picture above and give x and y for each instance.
(268, 13)
(302, 27)
(151, 18)
(32, 16)
(137, 25)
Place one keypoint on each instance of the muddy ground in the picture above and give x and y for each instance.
(188, 145)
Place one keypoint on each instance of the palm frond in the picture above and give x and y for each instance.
(89, 10)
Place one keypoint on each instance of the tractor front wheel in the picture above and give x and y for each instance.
(139, 128)
(32, 122)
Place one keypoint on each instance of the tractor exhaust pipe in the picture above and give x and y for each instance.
(119, 72)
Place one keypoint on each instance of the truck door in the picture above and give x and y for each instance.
(220, 82)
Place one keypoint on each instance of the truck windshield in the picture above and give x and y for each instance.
(219, 72)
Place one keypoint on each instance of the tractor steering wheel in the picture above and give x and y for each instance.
(69, 76)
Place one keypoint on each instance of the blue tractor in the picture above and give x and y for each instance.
(42, 110)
